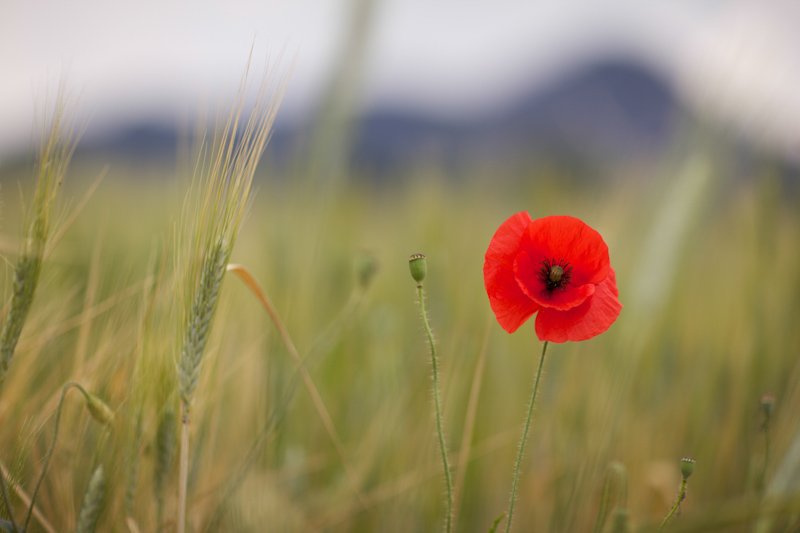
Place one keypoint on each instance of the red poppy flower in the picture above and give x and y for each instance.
(556, 266)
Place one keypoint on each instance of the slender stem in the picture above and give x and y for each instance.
(469, 427)
(247, 277)
(26, 500)
(766, 458)
(7, 503)
(605, 497)
(68, 386)
(681, 494)
(439, 427)
(524, 438)
(184, 470)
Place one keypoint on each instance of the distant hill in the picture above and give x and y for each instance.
(603, 111)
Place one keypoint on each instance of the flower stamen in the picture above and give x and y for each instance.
(555, 273)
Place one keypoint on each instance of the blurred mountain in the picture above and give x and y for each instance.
(601, 112)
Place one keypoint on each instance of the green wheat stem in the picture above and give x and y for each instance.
(183, 470)
(165, 449)
(439, 426)
(202, 312)
(524, 438)
(47, 457)
(681, 494)
(605, 497)
(615, 476)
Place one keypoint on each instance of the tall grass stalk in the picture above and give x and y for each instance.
(223, 177)
(54, 155)
(55, 152)
(7, 504)
(26, 500)
(165, 452)
(617, 474)
(247, 277)
(469, 427)
(97, 409)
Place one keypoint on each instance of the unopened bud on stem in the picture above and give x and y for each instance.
(687, 467)
(418, 267)
(768, 404)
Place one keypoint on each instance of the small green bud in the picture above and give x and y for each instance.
(418, 267)
(621, 522)
(99, 410)
(687, 467)
(767, 404)
(366, 267)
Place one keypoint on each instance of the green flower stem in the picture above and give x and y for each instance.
(766, 459)
(47, 457)
(681, 495)
(439, 426)
(524, 438)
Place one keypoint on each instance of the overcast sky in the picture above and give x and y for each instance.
(739, 60)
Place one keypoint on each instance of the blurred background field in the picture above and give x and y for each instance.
(698, 205)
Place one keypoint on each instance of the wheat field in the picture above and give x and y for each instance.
(312, 406)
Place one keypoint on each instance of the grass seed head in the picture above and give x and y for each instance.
(92, 502)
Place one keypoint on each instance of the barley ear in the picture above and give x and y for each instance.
(203, 307)
(92, 502)
(55, 152)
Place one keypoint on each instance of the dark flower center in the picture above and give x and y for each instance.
(555, 273)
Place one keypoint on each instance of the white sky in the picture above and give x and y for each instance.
(736, 59)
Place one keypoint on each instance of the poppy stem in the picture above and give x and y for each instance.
(47, 457)
(524, 438)
(439, 425)
(681, 495)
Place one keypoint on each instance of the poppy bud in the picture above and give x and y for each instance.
(687, 467)
(622, 522)
(418, 267)
(366, 267)
(99, 410)
(767, 404)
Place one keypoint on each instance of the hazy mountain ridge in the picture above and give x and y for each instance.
(605, 111)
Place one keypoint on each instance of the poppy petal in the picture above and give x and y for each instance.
(504, 245)
(591, 318)
(529, 278)
(510, 305)
(565, 237)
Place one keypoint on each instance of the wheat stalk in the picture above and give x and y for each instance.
(223, 177)
(54, 155)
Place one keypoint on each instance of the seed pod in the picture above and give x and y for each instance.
(418, 267)
(687, 467)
